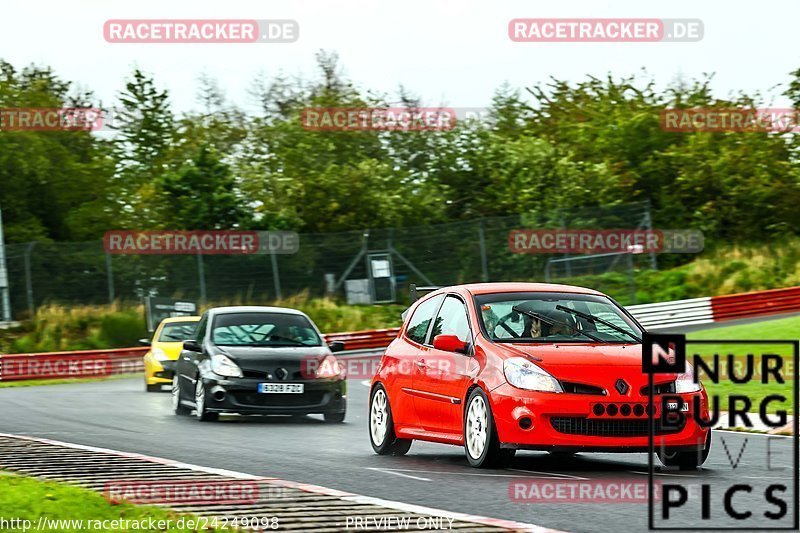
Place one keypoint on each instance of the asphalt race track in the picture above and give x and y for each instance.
(119, 415)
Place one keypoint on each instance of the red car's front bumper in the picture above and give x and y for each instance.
(566, 422)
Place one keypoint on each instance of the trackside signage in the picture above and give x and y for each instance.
(125, 242)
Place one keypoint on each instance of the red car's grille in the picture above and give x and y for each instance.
(578, 425)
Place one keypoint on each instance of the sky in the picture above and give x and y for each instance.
(453, 52)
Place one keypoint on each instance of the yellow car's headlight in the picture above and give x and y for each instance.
(160, 355)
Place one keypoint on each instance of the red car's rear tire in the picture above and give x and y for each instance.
(480, 434)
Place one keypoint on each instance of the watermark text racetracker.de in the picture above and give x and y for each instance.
(196, 31)
(183, 523)
(222, 242)
(589, 30)
(585, 241)
(730, 119)
(378, 119)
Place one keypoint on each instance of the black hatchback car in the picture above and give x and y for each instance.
(258, 360)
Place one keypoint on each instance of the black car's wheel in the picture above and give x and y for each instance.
(685, 460)
(381, 426)
(480, 434)
(335, 418)
(201, 411)
(176, 397)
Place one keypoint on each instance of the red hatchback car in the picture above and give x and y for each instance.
(500, 367)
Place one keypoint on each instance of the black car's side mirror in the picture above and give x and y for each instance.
(145, 342)
(336, 346)
(192, 345)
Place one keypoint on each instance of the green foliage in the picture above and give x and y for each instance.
(58, 328)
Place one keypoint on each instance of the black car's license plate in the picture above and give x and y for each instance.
(280, 388)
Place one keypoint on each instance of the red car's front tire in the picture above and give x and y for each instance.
(480, 434)
(685, 460)
(381, 425)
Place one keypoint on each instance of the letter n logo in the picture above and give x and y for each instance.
(663, 353)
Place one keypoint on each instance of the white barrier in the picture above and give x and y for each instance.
(674, 314)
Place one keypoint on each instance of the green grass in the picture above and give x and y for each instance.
(780, 329)
(28, 499)
(65, 381)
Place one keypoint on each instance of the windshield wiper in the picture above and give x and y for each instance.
(595, 319)
(552, 322)
(286, 340)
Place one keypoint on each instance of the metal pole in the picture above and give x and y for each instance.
(482, 243)
(110, 276)
(28, 280)
(648, 222)
(201, 273)
(276, 278)
(5, 301)
(633, 279)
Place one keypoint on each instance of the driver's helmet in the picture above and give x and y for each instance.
(559, 328)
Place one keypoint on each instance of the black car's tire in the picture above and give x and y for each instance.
(381, 425)
(201, 411)
(335, 418)
(480, 434)
(685, 460)
(179, 408)
(152, 388)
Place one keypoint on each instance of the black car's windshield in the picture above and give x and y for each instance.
(554, 317)
(263, 329)
(177, 331)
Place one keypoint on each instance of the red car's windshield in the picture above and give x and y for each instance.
(554, 317)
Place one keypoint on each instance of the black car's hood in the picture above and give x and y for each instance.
(263, 362)
(269, 353)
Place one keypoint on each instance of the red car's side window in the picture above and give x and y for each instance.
(421, 319)
(452, 320)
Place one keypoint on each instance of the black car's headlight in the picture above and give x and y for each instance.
(223, 366)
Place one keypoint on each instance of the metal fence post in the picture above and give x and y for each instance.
(5, 300)
(276, 278)
(110, 276)
(482, 243)
(28, 280)
(201, 274)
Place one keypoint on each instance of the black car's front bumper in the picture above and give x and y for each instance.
(240, 395)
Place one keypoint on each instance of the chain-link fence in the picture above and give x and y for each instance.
(443, 254)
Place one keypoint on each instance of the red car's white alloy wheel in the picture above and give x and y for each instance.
(378, 419)
(477, 420)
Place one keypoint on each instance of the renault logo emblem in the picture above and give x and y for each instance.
(621, 386)
(282, 373)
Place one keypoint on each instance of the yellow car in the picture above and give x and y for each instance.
(165, 348)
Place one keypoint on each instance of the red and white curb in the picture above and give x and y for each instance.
(305, 487)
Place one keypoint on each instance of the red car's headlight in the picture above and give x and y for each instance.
(523, 374)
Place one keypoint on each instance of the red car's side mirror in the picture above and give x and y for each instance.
(449, 343)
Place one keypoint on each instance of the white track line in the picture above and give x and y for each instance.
(346, 496)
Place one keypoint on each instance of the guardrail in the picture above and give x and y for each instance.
(758, 303)
(91, 363)
(80, 364)
(673, 314)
